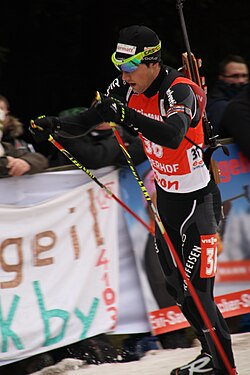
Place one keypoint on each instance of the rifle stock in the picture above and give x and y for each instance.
(191, 70)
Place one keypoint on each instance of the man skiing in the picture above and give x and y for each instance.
(166, 109)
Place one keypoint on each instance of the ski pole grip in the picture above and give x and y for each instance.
(34, 126)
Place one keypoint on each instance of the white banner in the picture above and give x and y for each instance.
(58, 274)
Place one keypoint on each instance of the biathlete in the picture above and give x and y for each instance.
(165, 109)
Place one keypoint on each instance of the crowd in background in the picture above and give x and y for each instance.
(227, 110)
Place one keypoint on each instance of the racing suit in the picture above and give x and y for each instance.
(188, 200)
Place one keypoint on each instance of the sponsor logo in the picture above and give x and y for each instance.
(198, 163)
(199, 98)
(199, 366)
(114, 84)
(209, 330)
(150, 58)
(171, 99)
(126, 48)
(167, 184)
(150, 115)
(210, 240)
(191, 261)
(166, 168)
(208, 255)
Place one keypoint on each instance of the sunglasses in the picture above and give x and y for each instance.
(236, 76)
(130, 64)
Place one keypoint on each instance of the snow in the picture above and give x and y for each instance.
(157, 362)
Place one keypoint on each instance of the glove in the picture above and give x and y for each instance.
(112, 110)
(43, 126)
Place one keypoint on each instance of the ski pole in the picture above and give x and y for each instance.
(94, 178)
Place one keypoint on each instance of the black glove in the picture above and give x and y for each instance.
(112, 110)
(43, 126)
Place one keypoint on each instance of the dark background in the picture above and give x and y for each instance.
(55, 54)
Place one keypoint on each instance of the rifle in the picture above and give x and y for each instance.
(191, 70)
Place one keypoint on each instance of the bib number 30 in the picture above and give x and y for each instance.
(208, 255)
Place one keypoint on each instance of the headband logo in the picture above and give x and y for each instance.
(126, 48)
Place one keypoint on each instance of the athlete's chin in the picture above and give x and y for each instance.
(136, 89)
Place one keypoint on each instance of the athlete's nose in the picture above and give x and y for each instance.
(124, 75)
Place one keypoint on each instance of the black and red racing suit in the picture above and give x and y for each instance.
(188, 200)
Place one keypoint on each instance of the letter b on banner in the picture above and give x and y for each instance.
(48, 314)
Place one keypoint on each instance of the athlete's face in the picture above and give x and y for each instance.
(142, 77)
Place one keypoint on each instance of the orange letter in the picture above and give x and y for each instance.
(38, 248)
(12, 267)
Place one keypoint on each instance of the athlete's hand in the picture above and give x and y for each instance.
(112, 110)
(43, 126)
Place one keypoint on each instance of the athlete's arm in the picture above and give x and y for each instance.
(87, 120)
(78, 124)
(181, 108)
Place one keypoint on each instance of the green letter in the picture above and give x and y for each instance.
(47, 314)
(5, 329)
(87, 320)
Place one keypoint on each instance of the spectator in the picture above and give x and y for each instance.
(13, 129)
(235, 121)
(18, 161)
(232, 76)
